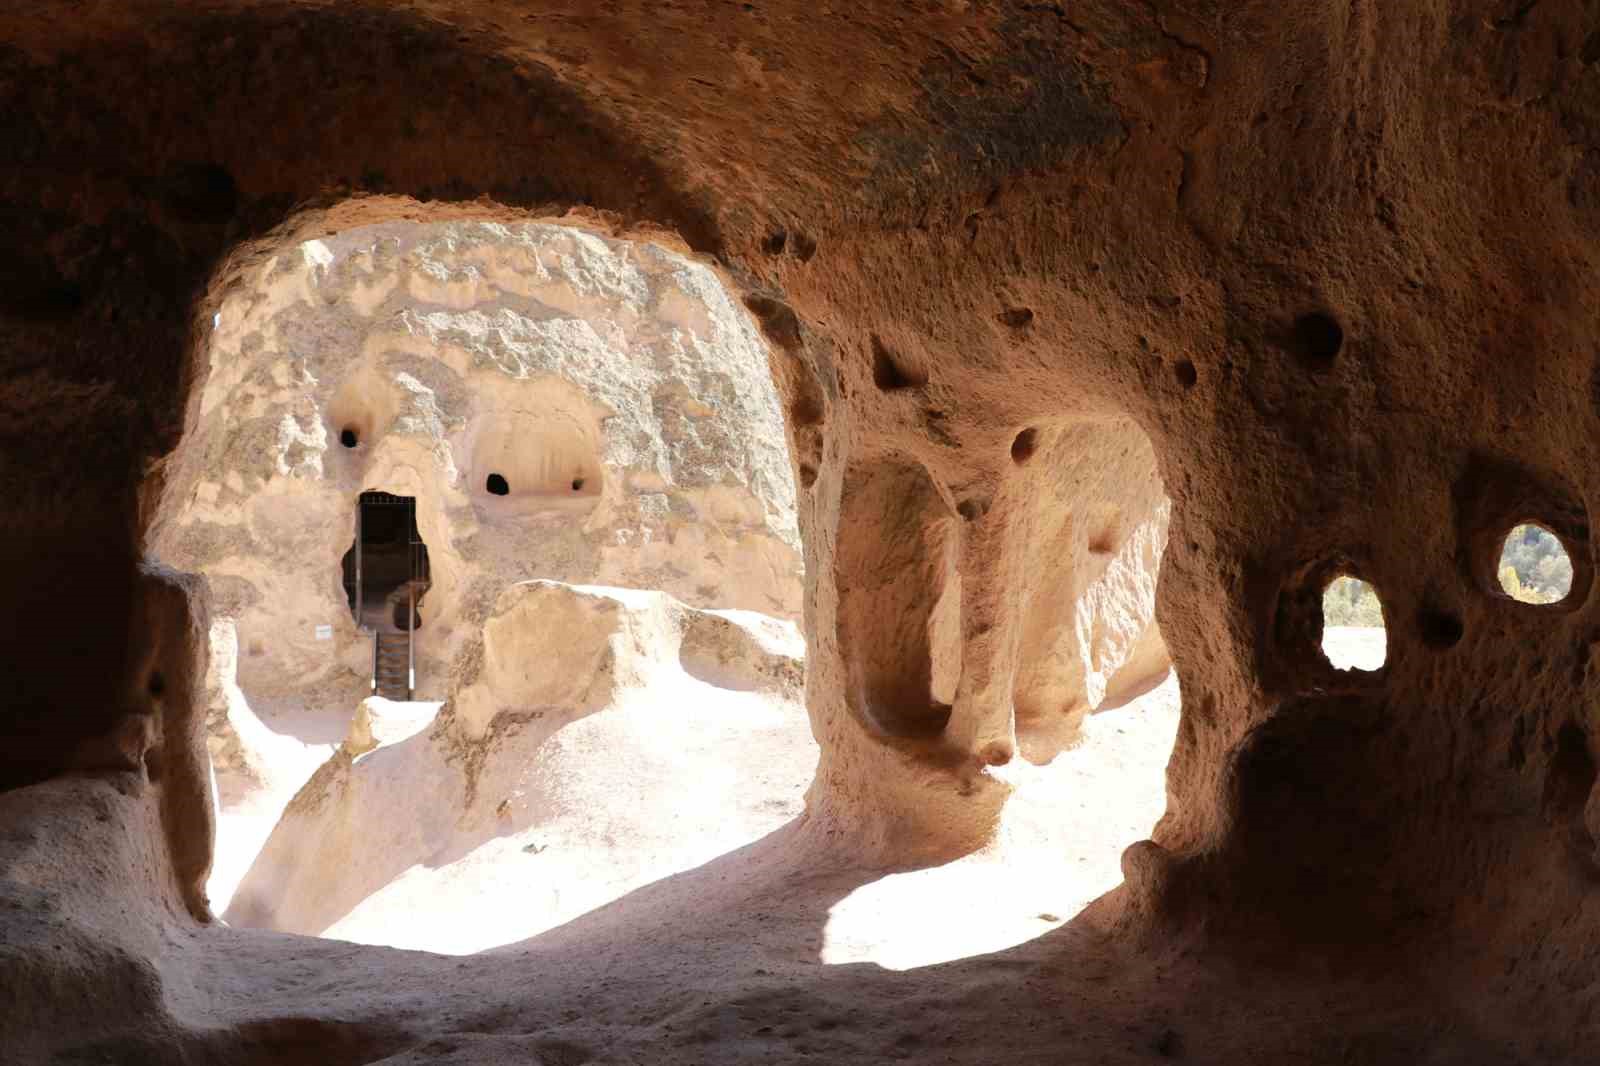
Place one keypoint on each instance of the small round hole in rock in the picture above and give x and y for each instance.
(1318, 337)
(1534, 567)
(1185, 372)
(157, 685)
(495, 485)
(577, 484)
(1026, 443)
(1440, 629)
(1353, 632)
(348, 437)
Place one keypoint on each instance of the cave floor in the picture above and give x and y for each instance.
(768, 953)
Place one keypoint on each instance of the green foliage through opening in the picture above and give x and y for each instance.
(1534, 567)
(1348, 601)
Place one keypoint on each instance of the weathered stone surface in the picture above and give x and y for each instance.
(1335, 261)
(622, 397)
(392, 843)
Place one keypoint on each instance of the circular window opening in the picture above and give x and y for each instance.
(495, 485)
(1353, 633)
(1534, 567)
(348, 437)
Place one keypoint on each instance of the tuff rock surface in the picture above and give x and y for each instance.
(1334, 262)
(588, 708)
(614, 387)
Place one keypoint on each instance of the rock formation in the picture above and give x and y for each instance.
(557, 404)
(612, 391)
(1329, 263)
(523, 760)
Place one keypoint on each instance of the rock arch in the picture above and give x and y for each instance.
(1183, 197)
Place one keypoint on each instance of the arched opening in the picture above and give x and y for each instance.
(899, 576)
(1088, 639)
(1534, 566)
(1119, 168)
(363, 406)
(538, 452)
(386, 575)
(535, 532)
(1024, 445)
(1354, 635)
(1090, 707)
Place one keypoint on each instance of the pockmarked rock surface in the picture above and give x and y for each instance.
(615, 390)
(1333, 265)
(573, 370)
(558, 403)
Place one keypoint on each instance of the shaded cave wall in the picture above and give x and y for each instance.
(1015, 216)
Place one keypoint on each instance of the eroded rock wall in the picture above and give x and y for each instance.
(578, 738)
(1334, 260)
(616, 392)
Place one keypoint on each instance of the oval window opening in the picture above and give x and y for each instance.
(495, 485)
(348, 438)
(1534, 567)
(1353, 633)
(1023, 447)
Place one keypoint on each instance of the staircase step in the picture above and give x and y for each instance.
(392, 665)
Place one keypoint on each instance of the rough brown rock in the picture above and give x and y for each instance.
(1335, 261)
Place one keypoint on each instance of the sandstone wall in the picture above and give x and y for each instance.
(1335, 260)
(586, 694)
(614, 386)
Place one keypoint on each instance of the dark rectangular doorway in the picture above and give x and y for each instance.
(386, 575)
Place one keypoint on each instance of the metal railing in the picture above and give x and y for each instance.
(418, 577)
(417, 550)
